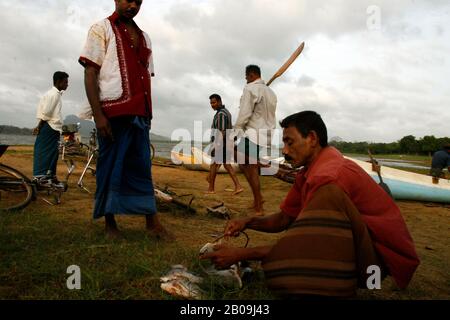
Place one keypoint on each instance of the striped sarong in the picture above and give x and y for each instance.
(325, 252)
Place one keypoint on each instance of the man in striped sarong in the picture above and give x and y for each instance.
(341, 225)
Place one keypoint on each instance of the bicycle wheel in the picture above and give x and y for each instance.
(16, 191)
(152, 151)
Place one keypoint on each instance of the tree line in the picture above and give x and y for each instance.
(406, 145)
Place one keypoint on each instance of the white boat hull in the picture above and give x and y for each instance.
(406, 185)
(198, 160)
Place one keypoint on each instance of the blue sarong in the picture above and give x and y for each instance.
(124, 177)
(46, 151)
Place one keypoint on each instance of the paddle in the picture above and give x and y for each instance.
(377, 168)
(286, 65)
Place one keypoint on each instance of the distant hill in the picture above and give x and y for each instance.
(156, 137)
(4, 129)
(336, 139)
(86, 127)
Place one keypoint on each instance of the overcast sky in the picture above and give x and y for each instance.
(375, 70)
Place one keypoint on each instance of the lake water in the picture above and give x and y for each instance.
(12, 139)
(162, 148)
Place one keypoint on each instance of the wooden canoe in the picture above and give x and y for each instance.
(406, 185)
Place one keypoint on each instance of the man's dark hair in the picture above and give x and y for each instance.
(59, 75)
(253, 69)
(215, 96)
(305, 122)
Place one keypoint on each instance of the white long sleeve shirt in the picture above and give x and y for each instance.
(49, 109)
(257, 112)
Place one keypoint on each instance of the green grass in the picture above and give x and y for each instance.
(37, 247)
(19, 152)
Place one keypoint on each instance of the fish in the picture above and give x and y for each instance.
(179, 282)
(229, 277)
(182, 275)
(180, 272)
(207, 248)
(183, 288)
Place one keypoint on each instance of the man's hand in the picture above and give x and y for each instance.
(38, 128)
(224, 256)
(234, 227)
(103, 126)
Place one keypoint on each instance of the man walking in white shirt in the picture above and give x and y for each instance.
(48, 131)
(256, 122)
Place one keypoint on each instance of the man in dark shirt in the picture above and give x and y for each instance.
(441, 160)
(222, 145)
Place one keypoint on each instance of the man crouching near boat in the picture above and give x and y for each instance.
(440, 161)
(339, 221)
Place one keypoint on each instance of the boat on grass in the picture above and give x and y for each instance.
(405, 185)
(197, 160)
(200, 160)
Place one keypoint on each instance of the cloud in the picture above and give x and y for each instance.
(375, 85)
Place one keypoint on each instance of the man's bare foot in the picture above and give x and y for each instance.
(160, 234)
(253, 206)
(156, 230)
(210, 192)
(113, 233)
(111, 229)
(237, 191)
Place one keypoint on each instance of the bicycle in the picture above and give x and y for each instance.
(152, 151)
(17, 190)
(70, 146)
(93, 153)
